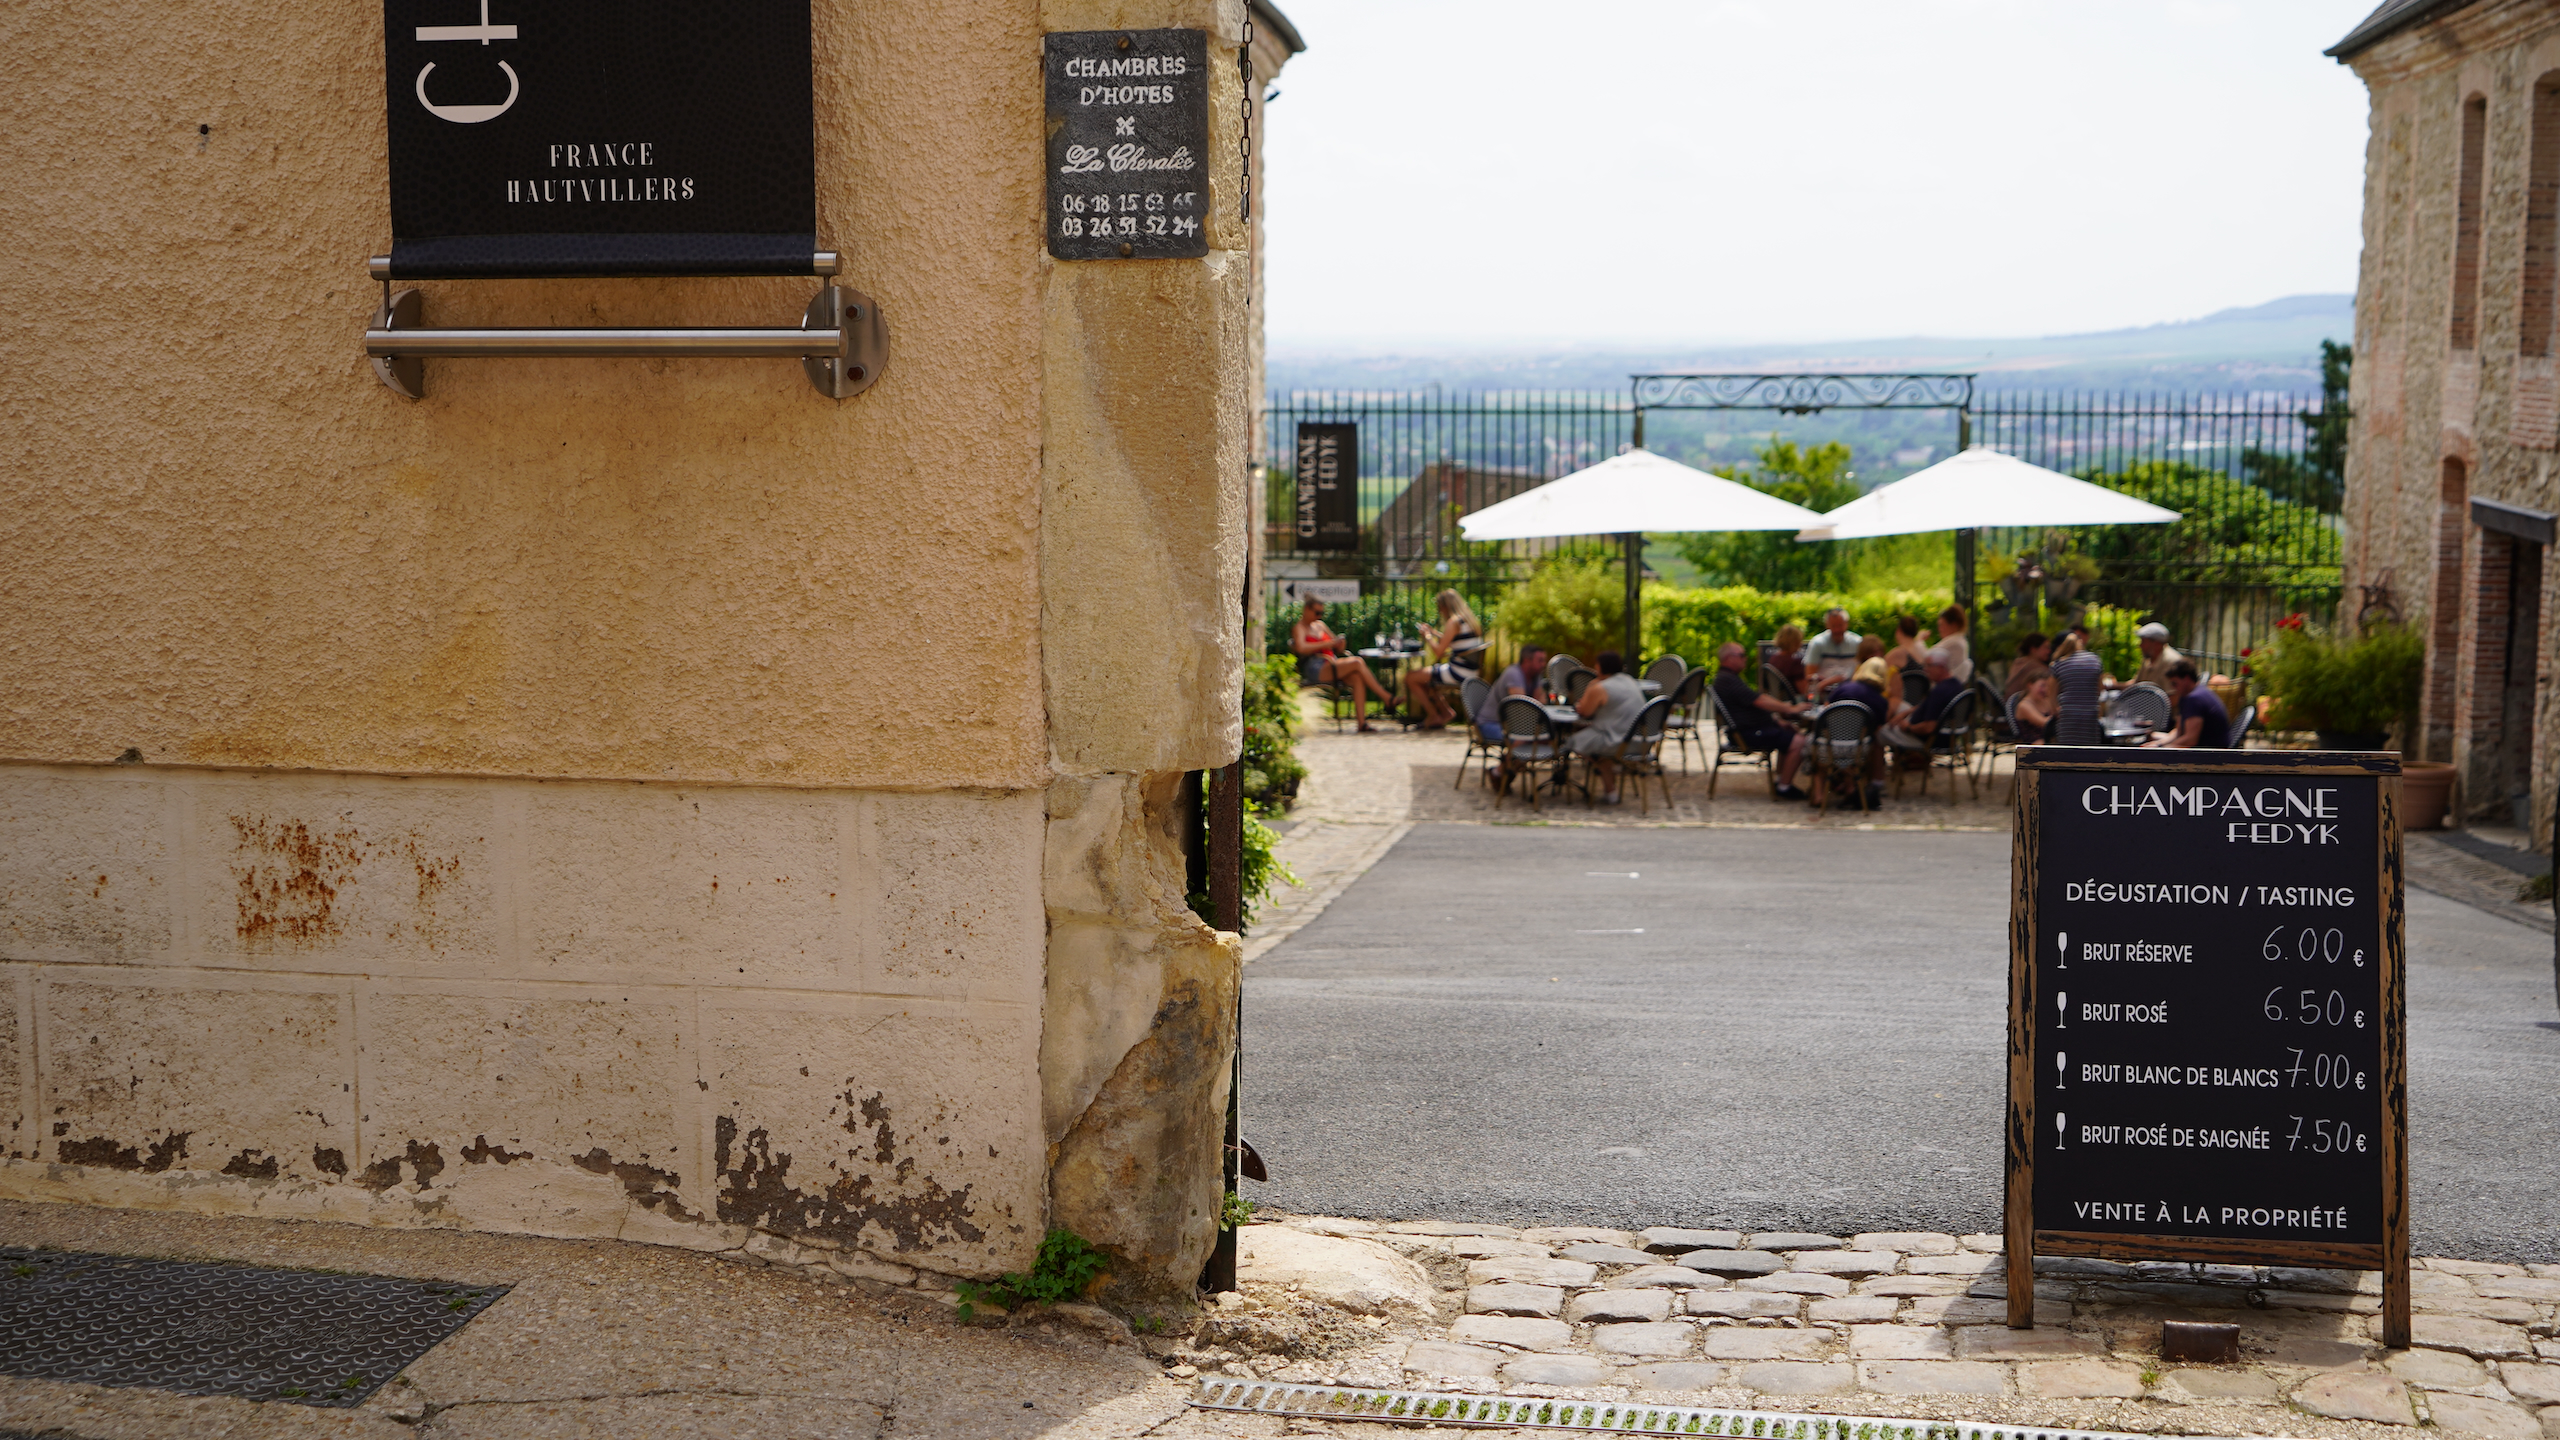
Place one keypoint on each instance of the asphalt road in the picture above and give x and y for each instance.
(1771, 1030)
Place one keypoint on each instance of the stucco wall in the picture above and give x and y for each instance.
(609, 796)
(2420, 401)
(575, 1008)
(229, 545)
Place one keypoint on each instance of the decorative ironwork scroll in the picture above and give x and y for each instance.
(1803, 394)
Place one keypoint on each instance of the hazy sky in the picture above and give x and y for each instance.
(1508, 172)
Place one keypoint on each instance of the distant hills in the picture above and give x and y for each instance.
(2270, 347)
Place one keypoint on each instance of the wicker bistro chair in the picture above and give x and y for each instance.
(1666, 671)
(1951, 742)
(1559, 668)
(1471, 698)
(1915, 686)
(1997, 730)
(1774, 681)
(1639, 756)
(1730, 750)
(1841, 751)
(1688, 715)
(2241, 725)
(1530, 744)
(1576, 683)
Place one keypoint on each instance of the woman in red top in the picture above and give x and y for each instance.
(1324, 659)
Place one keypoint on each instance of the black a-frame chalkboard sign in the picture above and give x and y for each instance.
(2208, 1044)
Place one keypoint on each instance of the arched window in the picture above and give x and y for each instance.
(2466, 224)
(2541, 221)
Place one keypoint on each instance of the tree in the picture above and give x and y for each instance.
(2317, 477)
(1818, 479)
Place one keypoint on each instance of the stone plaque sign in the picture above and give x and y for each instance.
(2208, 1055)
(639, 137)
(1327, 481)
(1128, 143)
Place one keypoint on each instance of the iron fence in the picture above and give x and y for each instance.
(2258, 538)
(1426, 458)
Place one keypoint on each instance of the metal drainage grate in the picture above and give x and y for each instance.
(1523, 1412)
(211, 1329)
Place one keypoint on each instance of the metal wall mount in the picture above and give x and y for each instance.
(841, 342)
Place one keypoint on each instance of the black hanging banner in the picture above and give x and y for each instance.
(1328, 487)
(641, 137)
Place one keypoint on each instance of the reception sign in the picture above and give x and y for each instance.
(2208, 1048)
(641, 137)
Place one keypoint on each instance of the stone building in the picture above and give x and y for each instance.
(614, 796)
(2450, 491)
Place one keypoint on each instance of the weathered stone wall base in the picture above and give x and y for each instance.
(667, 1013)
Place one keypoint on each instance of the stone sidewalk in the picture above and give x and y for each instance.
(1898, 1324)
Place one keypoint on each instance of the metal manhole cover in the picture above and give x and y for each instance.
(210, 1329)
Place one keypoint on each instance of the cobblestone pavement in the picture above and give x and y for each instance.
(1910, 1324)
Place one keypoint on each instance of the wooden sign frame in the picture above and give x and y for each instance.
(2024, 1240)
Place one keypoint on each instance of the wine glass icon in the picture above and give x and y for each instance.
(2062, 942)
(2061, 1128)
(2061, 1069)
(2062, 1005)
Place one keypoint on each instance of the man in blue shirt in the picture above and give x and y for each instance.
(2202, 722)
(1520, 679)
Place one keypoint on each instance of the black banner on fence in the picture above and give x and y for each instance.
(640, 137)
(1328, 485)
(1128, 153)
(2208, 1049)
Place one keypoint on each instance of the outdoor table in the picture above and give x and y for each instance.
(1388, 664)
(1650, 688)
(2119, 733)
(1564, 717)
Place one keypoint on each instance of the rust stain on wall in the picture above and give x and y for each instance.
(289, 878)
(757, 1190)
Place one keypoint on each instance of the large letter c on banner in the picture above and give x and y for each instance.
(467, 114)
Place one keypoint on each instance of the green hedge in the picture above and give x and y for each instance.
(1691, 623)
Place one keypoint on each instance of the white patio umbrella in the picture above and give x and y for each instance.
(1627, 495)
(1980, 489)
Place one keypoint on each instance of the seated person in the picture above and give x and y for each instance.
(2202, 722)
(1756, 719)
(2035, 657)
(1608, 707)
(1916, 727)
(1455, 651)
(1520, 679)
(1788, 658)
(2032, 716)
(1833, 655)
(1867, 688)
(1904, 654)
(1953, 639)
(2078, 675)
(1324, 659)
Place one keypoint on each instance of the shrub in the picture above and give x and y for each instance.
(1571, 604)
(1272, 769)
(2328, 682)
(1066, 1267)
(1691, 623)
(1261, 865)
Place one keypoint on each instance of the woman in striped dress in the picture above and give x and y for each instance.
(2076, 675)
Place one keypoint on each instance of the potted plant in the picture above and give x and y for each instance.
(2349, 690)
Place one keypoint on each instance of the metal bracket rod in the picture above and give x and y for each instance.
(841, 342)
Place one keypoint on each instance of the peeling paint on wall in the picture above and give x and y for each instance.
(757, 1191)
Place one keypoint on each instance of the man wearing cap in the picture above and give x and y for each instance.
(2157, 656)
